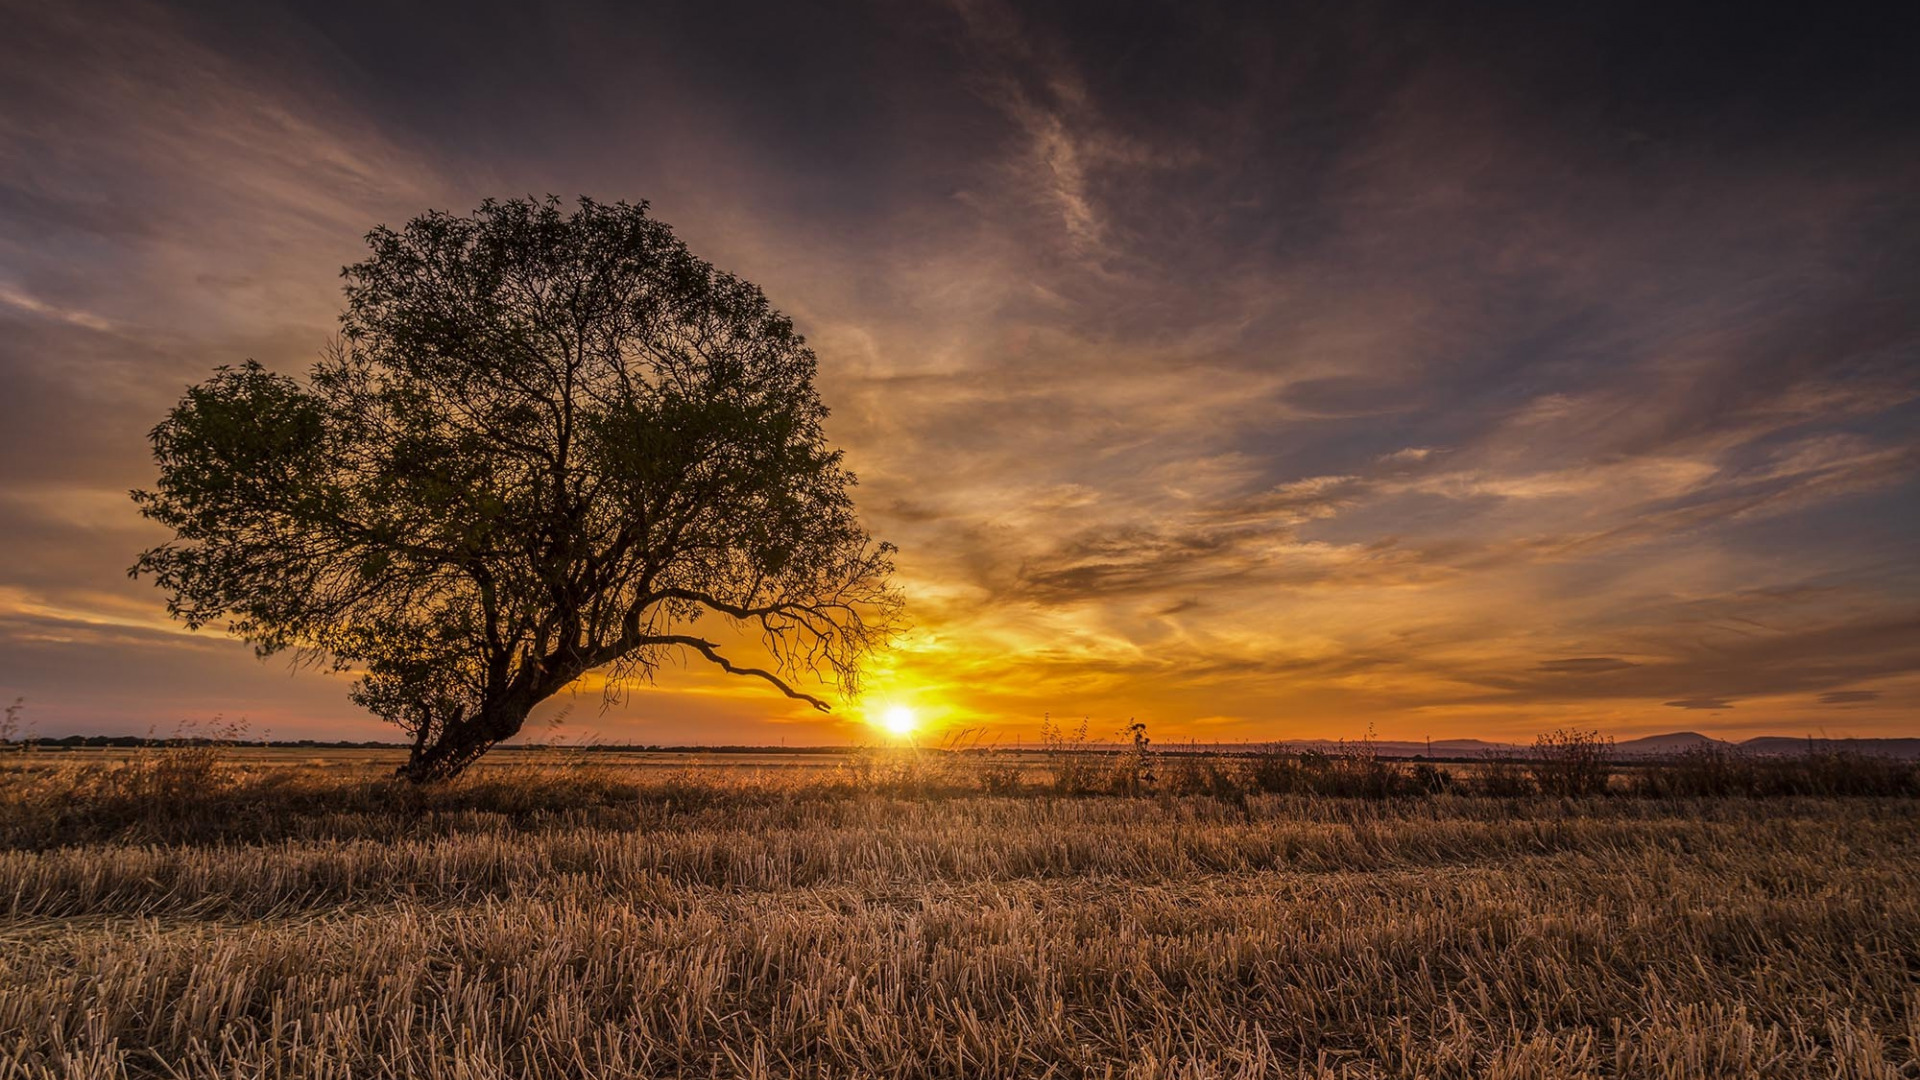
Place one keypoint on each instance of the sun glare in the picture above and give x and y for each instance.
(899, 721)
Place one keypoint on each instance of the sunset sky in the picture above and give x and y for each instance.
(1410, 369)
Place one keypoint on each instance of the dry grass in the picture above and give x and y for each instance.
(878, 920)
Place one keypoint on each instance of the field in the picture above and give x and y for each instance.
(207, 913)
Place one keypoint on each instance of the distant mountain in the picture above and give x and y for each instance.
(1772, 745)
(1651, 746)
(1766, 745)
(1662, 745)
(1467, 746)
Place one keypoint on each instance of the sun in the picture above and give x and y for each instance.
(899, 721)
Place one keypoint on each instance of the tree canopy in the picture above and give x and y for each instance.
(546, 442)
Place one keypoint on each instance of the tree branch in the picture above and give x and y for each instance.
(706, 648)
(792, 609)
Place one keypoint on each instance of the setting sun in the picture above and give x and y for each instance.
(899, 721)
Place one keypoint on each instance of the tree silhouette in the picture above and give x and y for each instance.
(545, 443)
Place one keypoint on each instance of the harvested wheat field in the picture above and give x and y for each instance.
(204, 919)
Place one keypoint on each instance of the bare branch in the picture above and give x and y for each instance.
(710, 651)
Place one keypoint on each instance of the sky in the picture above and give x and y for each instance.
(1259, 372)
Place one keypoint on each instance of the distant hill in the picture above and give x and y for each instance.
(1651, 746)
(1905, 749)
(1678, 742)
(1767, 745)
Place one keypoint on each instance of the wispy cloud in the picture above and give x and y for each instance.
(1711, 703)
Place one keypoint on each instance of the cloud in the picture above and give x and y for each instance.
(1586, 665)
(1734, 643)
(1409, 454)
(17, 299)
(1347, 396)
(1700, 703)
(1849, 697)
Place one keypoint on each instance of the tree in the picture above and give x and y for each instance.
(545, 443)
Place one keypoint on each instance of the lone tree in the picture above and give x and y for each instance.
(545, 443)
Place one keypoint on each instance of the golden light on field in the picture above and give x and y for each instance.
(899, 721)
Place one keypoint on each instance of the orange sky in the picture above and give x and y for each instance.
(1283, 380)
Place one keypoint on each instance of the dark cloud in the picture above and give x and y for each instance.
(1700, 703)
(1586, 665)
(1347, 396)
(1849, 697)
(1723, 645)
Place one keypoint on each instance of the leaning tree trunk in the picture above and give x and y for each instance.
(461, 743)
